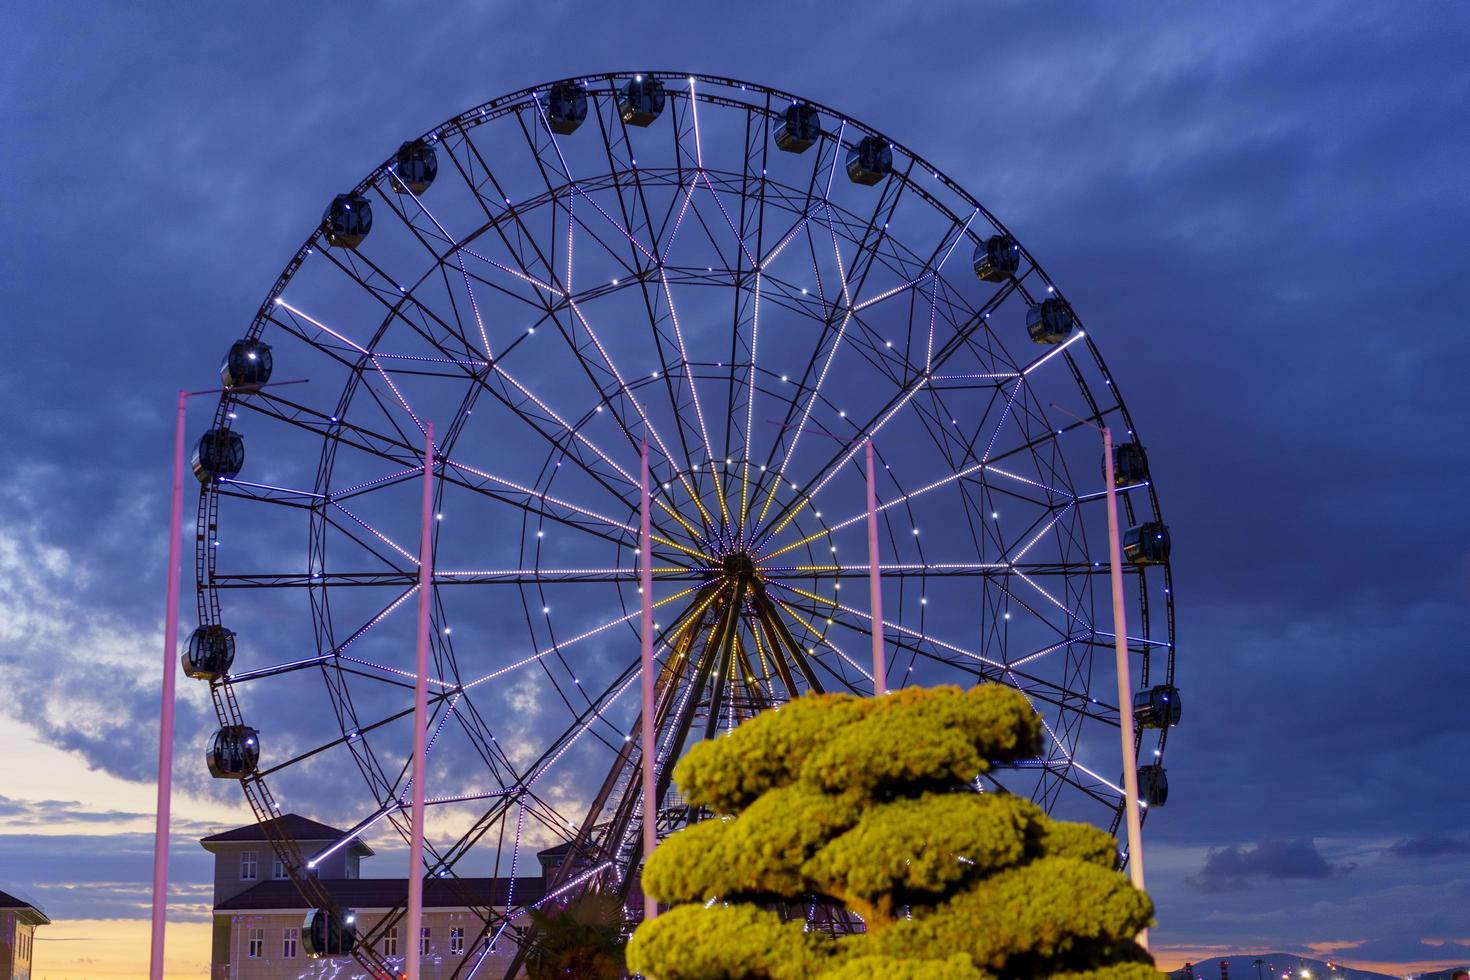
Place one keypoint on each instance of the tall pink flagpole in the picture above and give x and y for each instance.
(650, 747)
(1125, 681)
(166, 716)
(875, 584)
(420, 709)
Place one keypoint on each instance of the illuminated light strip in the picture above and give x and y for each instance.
(322, 326)
(564, 888)
(822, 635)
(720, 496)
(891, 625)
(694, 108)
(540, 496)
(551, 134)
(469, 797)
(688, 369)
(443, 719)
(515, 272)
(836, 152)
(960, 475)
(1042, 533)
(250, 675)
(822, 377)
(1053, 600)
(582, 729)
(1000, 376)
(713, 193)
(458, 257)
(933, 313)
(571, 225)
(1136, 639)
(351, 835)
(931, 273)
(636, 243)
(894, 291)
(438, 730)
(664, 647)
(473, 362)
(577, 639)
(1060, 347)
(445, 685)
(369, 354)
(674, 544)
(755, 326)
(1106, 782)
(510, 891)
(898, 567)
(382, 479)
(378, 534)
(957, 239)
(267, 486)
(559, 572)
(688, 194)
(990, 446)
(781, 245)
(1039, 716)
(577, 434)
(831, 473)
(623, 387)
(1051, 649)
(1103, 493)
(375, 621)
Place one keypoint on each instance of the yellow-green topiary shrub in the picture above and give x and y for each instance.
(868, 803)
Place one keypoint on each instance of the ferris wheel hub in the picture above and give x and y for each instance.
(739, 565)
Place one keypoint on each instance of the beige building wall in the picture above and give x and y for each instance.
(273, 963)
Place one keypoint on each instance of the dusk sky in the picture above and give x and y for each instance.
(1259, 209)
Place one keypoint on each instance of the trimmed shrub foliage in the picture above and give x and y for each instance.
(869, 804)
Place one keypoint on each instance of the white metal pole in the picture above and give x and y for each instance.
(420, 710)
(1125, 681)
(875, 583)
(650, 747)
(166, 722)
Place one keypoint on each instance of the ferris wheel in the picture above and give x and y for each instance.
(756, 286)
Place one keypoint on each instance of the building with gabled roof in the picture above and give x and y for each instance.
(259, 914)
(18, 923)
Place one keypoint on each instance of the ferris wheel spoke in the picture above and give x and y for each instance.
(828, 470)
(595, 710)
(594, 631)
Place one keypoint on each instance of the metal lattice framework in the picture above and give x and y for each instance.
(559, 293)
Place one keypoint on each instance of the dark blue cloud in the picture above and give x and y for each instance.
(1232, 868)
(1428, 846)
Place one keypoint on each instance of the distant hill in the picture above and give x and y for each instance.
(1275, 964)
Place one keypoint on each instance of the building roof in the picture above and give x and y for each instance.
(26, 909)
(386, 893)
(292, 825)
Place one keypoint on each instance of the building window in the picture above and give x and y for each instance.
(247, 865)
(456, 940)
(257, 944)
(278, 870)
(288, 943)
(424, 941)
(390, 942)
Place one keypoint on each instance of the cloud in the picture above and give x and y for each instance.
(1429, 845)
(1231, 868)
(24, 812)
(1406, 951)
